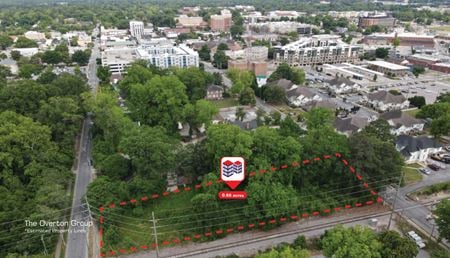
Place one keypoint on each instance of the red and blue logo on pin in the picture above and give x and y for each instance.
(232, 171)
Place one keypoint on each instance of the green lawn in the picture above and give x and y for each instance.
(441, 28)
(412, 112)
(224, 103)
(414, 165)
(412, 175)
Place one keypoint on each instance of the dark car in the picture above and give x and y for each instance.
(434, 167)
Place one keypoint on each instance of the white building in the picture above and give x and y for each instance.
(276, 15)
(118, 59)
(385, 101)
(34, 35)
(137, 29)
(402, 123)
(317, 50)
(416, 149)
(258, 53)
(167, 55)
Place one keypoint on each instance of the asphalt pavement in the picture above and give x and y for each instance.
(418, 214)
(77, 242)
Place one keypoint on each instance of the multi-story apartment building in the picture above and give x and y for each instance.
(281, 27)
(137, 29)
(221, 22)
(190, 21)
(382, 20)
(317, 50)
(167, 55)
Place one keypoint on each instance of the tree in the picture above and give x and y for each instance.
(23, 42)
(288, 127)
(247, 97)
(46, 77)
(136, 73)
(417, 101)
(150, 151)
(379, 129)
(160, 101)
(276, 117)
(274, 94)
(284, 71)
(52, 57)
(5, 41)
(227, 140)
(103, 74)
(396, 42)
(26, 71)
(319, 118)
(287, 252)
(222, 46)
(381, 52)
(5, 71)
(284, 41)
(440, 126)
(204, 53)
(236, 31)
(354, 242)
(199, 114)
(377, 158)
(443, 220)
(81, 57)
(395, 245)
(195, 81)
(417, 70)
(15, 55)
(375, 77)
(220, 60)
(240, 113)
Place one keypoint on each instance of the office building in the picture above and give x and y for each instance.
(221, 22)
(317, 50)
(118, 59)
(137, 29)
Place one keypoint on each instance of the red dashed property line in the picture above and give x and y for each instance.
(240, 227)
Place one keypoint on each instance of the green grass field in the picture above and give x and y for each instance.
(441, 28)
(224, 103)
(412, 175)
(412, 112)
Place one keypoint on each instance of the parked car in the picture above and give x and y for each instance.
(433, 167)
(426, 171)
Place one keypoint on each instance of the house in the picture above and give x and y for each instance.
(299, 96)
(384, 101)
(283, 83)
(354, 122)
(350, 125)
(416, 149)
(342, 85)
(402, 123)
(214, 92)
(228, 115)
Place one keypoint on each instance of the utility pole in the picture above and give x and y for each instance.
(395, 200)
(153, 220)
(43, 242)
(432, 231)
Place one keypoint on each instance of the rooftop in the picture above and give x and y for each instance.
(387, 65)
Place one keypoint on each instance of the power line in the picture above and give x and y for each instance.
(232, 201)
(39, 215)
(238, 208)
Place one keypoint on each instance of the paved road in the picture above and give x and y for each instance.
(418, 215)
(77, 238)
(211, 69)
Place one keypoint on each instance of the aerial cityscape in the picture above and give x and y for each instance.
(242, 128)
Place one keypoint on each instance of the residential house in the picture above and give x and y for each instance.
(384, 101)
(342, 85)
(214, 92)
(300, 96)
(402, 123)
(354, 122)
(416, 149)
(228, 115)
